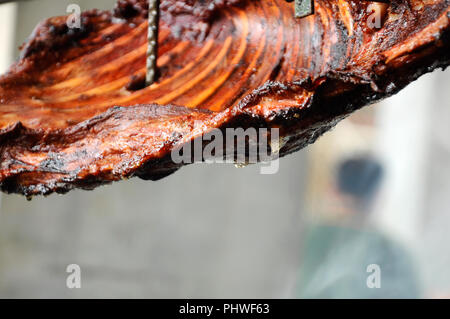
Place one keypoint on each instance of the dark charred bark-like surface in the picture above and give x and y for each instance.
(74, 113)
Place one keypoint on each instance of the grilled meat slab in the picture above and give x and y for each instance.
(75, 113)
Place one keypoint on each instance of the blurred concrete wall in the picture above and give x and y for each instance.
(207, 231)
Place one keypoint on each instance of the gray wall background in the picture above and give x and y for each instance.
(208, 231)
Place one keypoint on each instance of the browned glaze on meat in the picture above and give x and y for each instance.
(74, 112)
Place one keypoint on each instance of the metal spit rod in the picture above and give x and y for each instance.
(152, 49)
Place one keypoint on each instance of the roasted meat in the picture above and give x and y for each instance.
(75, 113)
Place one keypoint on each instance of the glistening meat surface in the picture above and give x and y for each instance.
(74, 113)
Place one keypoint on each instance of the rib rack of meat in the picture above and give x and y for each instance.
(75, 113)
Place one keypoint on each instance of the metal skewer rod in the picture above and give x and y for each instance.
(152, 50)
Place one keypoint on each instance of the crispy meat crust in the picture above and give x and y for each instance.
(73, 113)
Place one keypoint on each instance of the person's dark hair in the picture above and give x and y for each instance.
(360, 178)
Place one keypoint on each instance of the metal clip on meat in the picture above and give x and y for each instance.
(304, 8)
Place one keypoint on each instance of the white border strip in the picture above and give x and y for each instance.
(7, 34)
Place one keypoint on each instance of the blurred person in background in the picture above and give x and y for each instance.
(339, 258)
